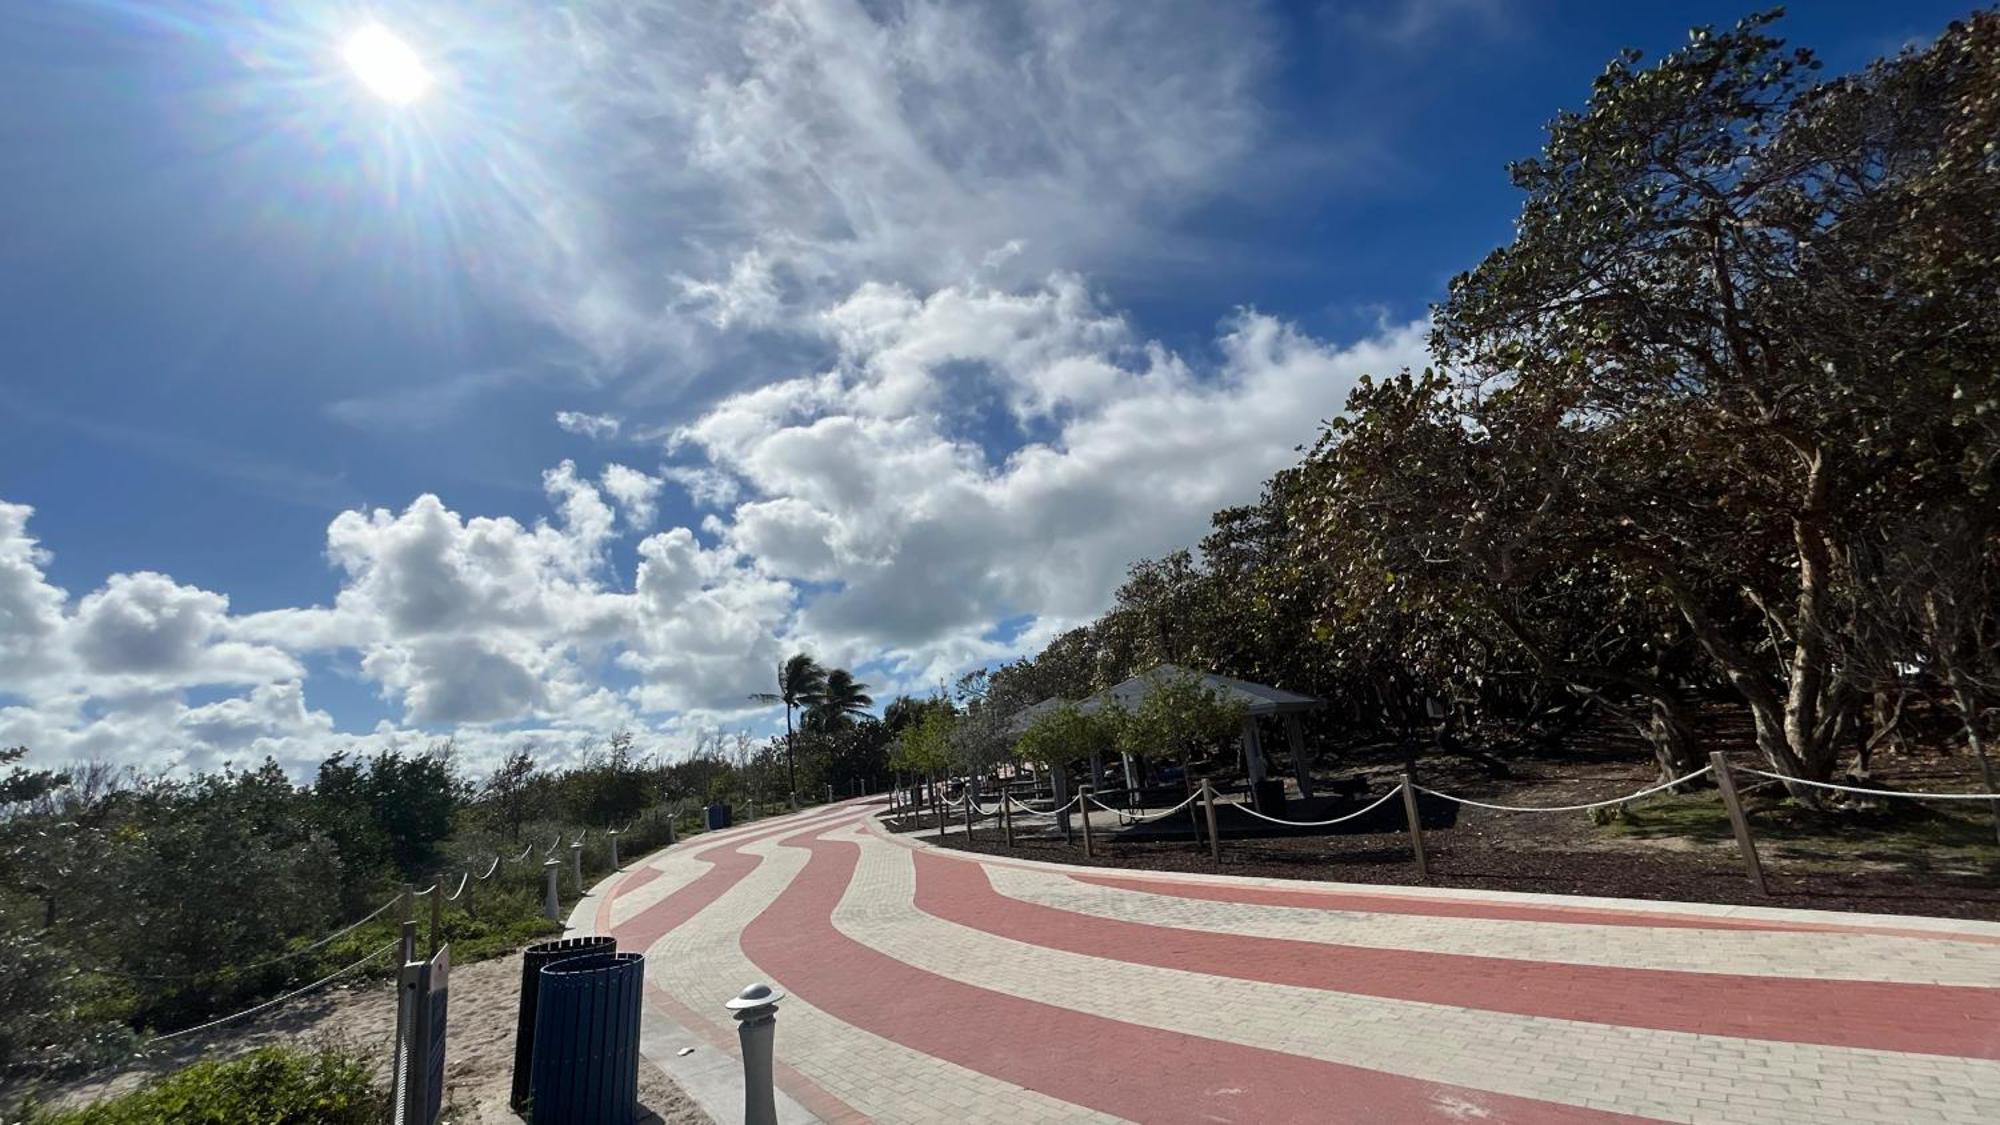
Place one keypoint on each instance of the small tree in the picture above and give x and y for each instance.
(924, 747)
(1179, 716)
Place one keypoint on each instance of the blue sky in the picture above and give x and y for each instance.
(917, 323)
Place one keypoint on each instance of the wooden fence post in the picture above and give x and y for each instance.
(968, 810)
(1208, 805)
(1738, 823)
(1416, 828)
(937, 802)
(1083, 810)
(437, 914)
(1006, 818)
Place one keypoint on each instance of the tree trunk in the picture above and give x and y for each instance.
(1969, 713)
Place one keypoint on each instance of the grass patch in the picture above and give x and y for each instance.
(1906, 834)
(270, 1086)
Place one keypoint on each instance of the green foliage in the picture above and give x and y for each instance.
(924, 747)
(270, 1086)
(53, 1018)
(1066, 734)
(1181, 716)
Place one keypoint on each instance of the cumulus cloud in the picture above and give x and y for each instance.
(601, 427)
(637, 494)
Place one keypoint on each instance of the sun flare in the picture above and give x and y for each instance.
(386, 65)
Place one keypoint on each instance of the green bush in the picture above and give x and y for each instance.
(268, 1086)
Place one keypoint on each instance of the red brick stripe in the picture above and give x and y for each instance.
(638, 933)
(1929, 1019)
(1134, 1072)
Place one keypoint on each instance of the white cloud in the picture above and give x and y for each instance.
(600, 427)
(637, 494)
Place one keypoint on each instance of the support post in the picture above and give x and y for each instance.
(437, 914)
(406, 943)
(1740, 824)
(968, 810)
(551, 903)
(1208, 808)
(1295, 740)
(1006, 818)
(756, 1012)
(613, 833)
(576, 865)
(937, 804)
(469, 881)
(409, 902)
(1416, 829)
(1083, 813)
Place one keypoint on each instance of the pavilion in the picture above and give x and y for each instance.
(1258, 700)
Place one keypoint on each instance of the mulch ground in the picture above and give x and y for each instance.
(1567, 853)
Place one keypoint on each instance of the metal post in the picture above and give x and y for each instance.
(576, 864)
(406, 943)
(1740, 824)
(756, 1012)
(1006, 817)
(1208, 806)
(614, 848)
(670, 830)
(409, 902)
(467, 893)
(829, 792)
(1416, 828)
(938, 803)
(968, 810)
(1295, 739)
(1083, 812)
(437, 914)
(551, 904)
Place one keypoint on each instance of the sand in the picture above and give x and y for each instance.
(480, 1043)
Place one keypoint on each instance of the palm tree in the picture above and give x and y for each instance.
(801, 682)
(841, 697)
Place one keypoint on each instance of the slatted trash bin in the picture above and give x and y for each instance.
(586, 1068)
(532, 962)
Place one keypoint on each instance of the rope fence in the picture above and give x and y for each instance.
(1875, 792)
(1647, 792)
(279, 999)
(1361, 812)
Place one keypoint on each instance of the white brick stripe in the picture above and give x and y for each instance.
(1824, 956)
(701, 963)
(1675, 1075)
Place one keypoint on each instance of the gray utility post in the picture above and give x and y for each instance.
(756, 1012)
(1083, 810)
(613, 833)
(576, 864)
(406, 943)
(1006, 817)
(551, 904)
(829, 792)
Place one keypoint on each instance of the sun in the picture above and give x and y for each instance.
(386, 65)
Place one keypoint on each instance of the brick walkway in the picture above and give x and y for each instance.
(932, 985)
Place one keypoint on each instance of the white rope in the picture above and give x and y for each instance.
(280, 959)
(491, 870)
(578, 842)
(276, 1000)
(1876, 792)
(1057, 811)
(1571, 808)
(524, 854)
(463, 881)
(553, 845)
(1130, 818)
(1376, 804)
(426, 890)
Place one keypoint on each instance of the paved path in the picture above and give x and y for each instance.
(930, 985)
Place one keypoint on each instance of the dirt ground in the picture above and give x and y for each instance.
(478, 1073)
(1882, 856)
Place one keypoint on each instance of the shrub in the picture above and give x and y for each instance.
(270, 1086)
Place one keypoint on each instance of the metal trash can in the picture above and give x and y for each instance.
(1268, 797)
(718, 816)
(533, 959)
(586, 1068)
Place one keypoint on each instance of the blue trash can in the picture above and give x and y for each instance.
(718, 816)
(586, 1068)
(533, 960)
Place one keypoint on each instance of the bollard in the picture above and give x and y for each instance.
(406, 943)
(409, 902)
(829, 792)
(1738, 823)
(1416, 828)
(940, 814)
(1083, 813)
(756, 1012)
(1208, 807)
(470, 879)
(968, 810)
(437, 913)
(576, 865)
(551, 904)
(670, 831)
(1006, 818)
(614, 848)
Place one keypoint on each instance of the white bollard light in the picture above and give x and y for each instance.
(756, 1012)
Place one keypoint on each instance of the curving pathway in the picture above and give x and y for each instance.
(933, 985)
